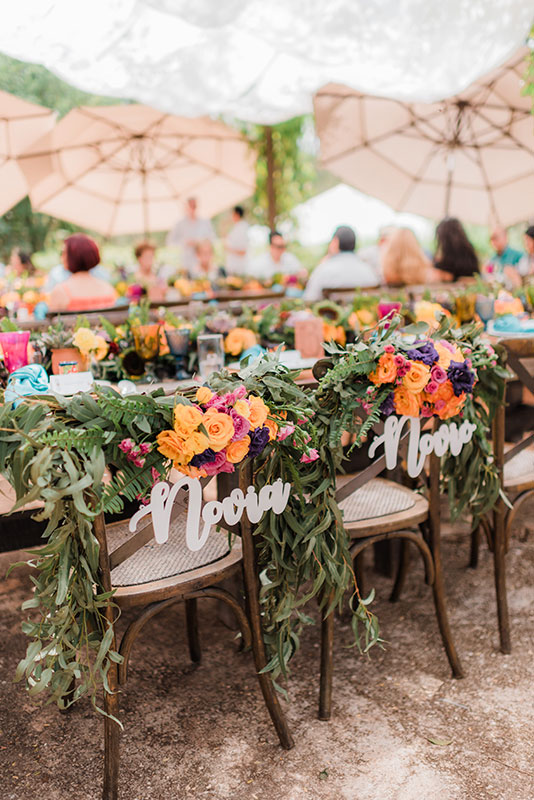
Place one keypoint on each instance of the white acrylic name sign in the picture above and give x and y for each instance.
(445, 437)
(162, 497)
(72, 383)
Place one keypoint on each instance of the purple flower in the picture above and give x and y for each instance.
(205, 457)
(425, 352)
(241, 426)
(387, 407)
(461, 377)
(438, 374)
(258, 441)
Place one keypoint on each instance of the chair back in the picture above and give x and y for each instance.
(520, 360)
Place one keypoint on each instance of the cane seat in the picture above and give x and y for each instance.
(382, 506)
(519, 472)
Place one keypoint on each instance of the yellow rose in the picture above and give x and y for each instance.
(173, 446)
(242, 408)
(84, 340)
(406, 402)
(239, 339)
(417, 377)
(258, 412)
(203, 394)
(237, 451)
(386, 372)
(186, 418)
(273, 428)
(101, 348)
(197, 441)
(220, 428)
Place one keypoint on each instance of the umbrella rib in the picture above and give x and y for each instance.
(117, 203)
(417, 178)
(506, 134)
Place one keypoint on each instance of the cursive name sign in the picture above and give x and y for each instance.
(163, 496)
(447, 437)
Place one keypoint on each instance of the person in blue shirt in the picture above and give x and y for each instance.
(504, 256)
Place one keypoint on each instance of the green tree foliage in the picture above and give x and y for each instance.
(20, 227)
(294, 174)
(529, 74)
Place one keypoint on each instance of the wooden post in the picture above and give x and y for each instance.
(499, 535)
(271, 166)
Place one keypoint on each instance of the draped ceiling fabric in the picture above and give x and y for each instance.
(129, 168)
(471, 155)
(20, 124)
(262, 60)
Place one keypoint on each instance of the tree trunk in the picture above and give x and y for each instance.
(271, 189)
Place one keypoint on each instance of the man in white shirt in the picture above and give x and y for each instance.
(236, 244)
(190, 231)
(275, 260)
(342, 268)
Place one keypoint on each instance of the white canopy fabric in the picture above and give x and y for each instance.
(21, 123)
(470, 156)
(259, 60)
(129, 168)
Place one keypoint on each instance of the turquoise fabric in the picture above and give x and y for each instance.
(26, 381)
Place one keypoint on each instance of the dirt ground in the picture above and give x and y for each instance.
(402, 729)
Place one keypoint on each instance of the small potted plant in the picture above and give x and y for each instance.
(58, 340)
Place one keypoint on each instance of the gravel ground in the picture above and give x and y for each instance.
(402, 729)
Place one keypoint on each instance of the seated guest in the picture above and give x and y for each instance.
(342, 268)
(61, 273)
(145, 274)
(455, 256)
(20, 263)
(275, 260)
(373, 254)
(404, 262)
(236, 243)
(504, 255)
(205, 264)
(81, 291)
(526, 265)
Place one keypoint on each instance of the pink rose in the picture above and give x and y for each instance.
(399, 360)
(311, 455)
(426, 411)
(219, 464)
(390, 349)
(126, 445)
(438, 374)
(432, 387)
(217, 402)
(286, 431)
(241, 426)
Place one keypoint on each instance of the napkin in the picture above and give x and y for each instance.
(26, 381)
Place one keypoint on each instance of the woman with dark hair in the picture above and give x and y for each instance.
(455, 255)
(81, 291)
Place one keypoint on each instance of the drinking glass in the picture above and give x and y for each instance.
(210, 354)
(484, 307)
(178, 341)
(15, 349)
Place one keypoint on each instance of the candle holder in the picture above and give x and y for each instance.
(14, 346)
(178, 341)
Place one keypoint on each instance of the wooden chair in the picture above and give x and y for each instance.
(516, 468)
(378, 510)
(151, 577)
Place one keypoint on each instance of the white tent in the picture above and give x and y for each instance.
(262, 60)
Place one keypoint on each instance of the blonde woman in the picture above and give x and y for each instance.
(404, 262)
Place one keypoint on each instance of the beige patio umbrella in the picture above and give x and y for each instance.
(21, 123)
(470, 156)
(128, 168)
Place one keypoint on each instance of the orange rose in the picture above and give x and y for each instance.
(239, 339)
(273, 428)
(258, 412)
(220, 428)
(242, 408)
(186, 418)
(406, 402)
(237, 451)
(417, 378)
(452, 407)
(197, 441)
(203, 394)
(192, 472)
(386, 372)
(334, 333)
(446, 356)
(445, 392)
(173, 446)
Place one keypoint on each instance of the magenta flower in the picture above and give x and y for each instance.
(145, 448)
(138, 462)
(438, 374)
(307, 438)
(217, 402)
(155, 474)
(219, 464)
(399, 360)
(310, 456)
(390, 349)
(286, 431)
(126, 445)
(241, 426)
(431, 387)
(426, 411)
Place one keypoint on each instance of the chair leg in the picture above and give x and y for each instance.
(327, 663)
(404, 563)
(499, 566)
(111, 738)
(193, 638)
(384, 558)
(475, 546)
